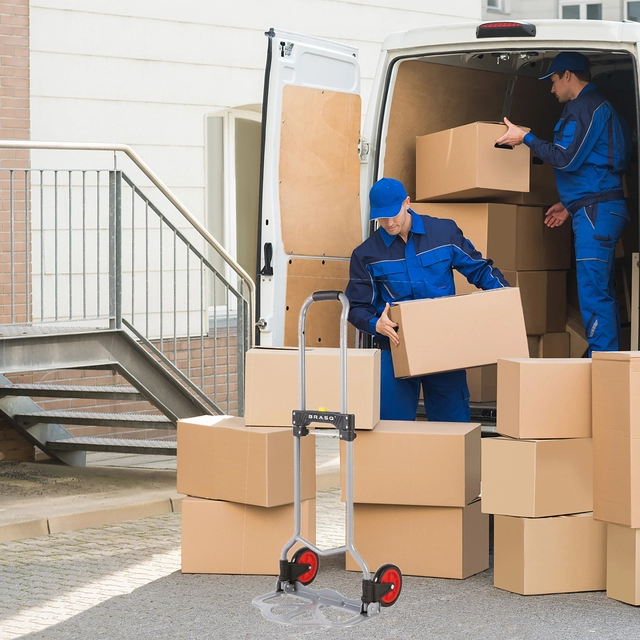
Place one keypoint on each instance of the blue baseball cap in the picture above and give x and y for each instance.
(386, 198)
(567, 61)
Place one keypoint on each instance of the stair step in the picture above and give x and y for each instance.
(115, 445)
(106, 392)
(96, 418)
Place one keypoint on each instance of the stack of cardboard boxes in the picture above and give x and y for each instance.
(498, 197)
(238, 473)
(616, 446)
(416, 487)
(537, 478)
(238, 513)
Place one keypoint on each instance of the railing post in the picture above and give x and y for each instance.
(115, 249)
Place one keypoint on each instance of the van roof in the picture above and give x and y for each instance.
(550, 34)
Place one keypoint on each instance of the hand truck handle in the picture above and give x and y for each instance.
(319, 296)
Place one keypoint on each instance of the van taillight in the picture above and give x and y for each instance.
(506, 30)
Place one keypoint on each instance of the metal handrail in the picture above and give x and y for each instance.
(109, 146)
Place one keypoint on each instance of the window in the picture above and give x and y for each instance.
(497, 6)
(633, 11)
(571, 10)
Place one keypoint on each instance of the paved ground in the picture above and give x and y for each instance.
(122, 581)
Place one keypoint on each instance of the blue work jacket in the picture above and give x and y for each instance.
(590, 150)
(385, 269)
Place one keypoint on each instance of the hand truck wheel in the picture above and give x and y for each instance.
(389, 573)
(306, 556)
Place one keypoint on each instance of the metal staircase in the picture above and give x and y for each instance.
(113, 282)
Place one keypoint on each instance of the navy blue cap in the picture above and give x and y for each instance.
(567, 61)
(386, 198)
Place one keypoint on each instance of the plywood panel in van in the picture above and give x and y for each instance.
(320, 172)
(304, 276)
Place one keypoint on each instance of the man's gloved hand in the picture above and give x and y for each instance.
(386, 327)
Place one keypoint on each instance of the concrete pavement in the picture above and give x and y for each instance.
(122, 580)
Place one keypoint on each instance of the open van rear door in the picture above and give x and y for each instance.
(310, 182)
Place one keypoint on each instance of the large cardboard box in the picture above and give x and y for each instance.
(483, 383)
(272, 391)
(550, 345)
(616, 437)
(463, 163)
(440, 542)
(221, 459)
(544, 398)
(544, 295)
(565, 554)
(536, 478)
(456, 332)
(226, 537)
(514, 237)
(623, 564)
(434, 464)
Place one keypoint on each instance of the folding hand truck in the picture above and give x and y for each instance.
(293, 602)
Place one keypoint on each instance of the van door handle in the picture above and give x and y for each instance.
(267, 270)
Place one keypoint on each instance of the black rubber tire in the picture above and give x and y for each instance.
(389, 573)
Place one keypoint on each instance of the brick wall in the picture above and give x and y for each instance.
(14, 124)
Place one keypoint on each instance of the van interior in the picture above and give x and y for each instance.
(436, 92)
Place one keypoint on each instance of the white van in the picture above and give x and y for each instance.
(318, 164)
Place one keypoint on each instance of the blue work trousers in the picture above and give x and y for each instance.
(597, 228)
(446, 395)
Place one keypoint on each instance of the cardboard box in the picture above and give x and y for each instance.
(544, 398)
(483, 326)
(226, 537)
(220, 459)
(440, 542)
(536, 478)
(271, 388)
(463, 164)
(623, 564)
(616, 437)
(514, 237)
(542, 186)
(544, 295)
(578, 344)
(483, 383)
(434, 464)
(565, 554)
(550, 345)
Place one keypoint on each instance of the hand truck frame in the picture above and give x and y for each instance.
(293, 602)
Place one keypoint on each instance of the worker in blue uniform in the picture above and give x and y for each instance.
(411, 257)
(589, 153)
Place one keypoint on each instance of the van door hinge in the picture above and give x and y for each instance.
(285, 48)
(363, 150)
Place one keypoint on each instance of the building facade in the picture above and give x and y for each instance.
(615, 10)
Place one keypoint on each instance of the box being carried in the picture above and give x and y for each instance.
(463, 163)
(456, 332)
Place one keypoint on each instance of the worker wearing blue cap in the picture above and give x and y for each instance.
(589, 153)
(411, 257)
